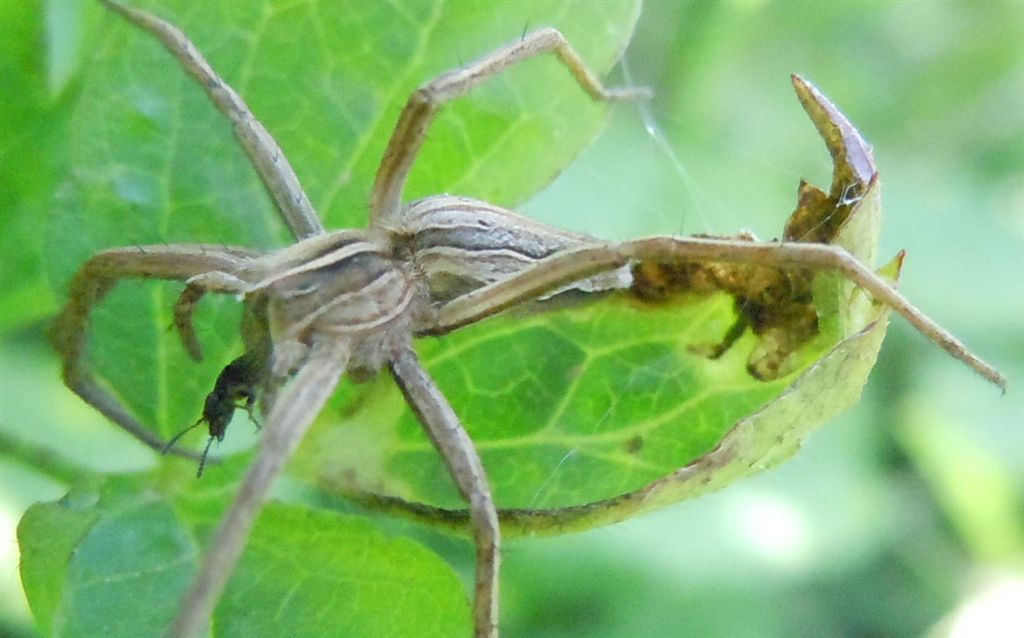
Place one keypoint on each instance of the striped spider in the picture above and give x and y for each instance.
(352, 301)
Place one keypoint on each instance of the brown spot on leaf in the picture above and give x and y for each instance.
(633, 444)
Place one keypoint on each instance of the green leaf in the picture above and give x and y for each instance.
(47, 536)
(114, 560)
(91, 557)
(943, 187)
(594, 401)
(43, 45)
(305, 570)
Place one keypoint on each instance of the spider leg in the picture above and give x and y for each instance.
(293, 413)
(459, 454)
(195, 289)
(585, 261)
(424, 103)
(94, 280)
(266, 156)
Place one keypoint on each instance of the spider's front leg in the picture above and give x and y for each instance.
(424, 103)
(266, 156)
(95, 279)
(464, 464)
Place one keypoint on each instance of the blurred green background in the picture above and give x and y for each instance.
(904, 517)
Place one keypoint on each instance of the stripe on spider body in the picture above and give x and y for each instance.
(461, 244)
(341, 283)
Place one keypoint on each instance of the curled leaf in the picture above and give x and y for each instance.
(594, 414)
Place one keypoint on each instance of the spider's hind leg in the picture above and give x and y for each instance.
(585, 261)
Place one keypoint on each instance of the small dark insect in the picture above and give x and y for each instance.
(236, 387)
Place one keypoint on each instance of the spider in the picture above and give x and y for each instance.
(351, 301)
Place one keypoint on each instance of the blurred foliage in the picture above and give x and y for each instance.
(896, 513)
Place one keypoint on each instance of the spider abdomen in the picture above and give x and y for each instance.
(461, 244)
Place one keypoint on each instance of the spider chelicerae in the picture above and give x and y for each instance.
(351, 301)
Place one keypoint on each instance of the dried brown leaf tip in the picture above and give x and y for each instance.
(776, 303)
(819, 216)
